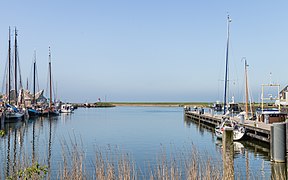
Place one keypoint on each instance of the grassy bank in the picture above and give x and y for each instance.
(164, 104)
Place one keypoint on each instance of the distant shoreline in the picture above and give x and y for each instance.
(159, 104)
(151, 104)
(148, 104)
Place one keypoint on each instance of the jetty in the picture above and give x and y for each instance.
(254, 129)
(273, 134)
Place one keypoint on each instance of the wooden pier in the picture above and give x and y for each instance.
(255, 130)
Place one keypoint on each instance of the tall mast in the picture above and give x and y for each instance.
(246, 88)
(50, 79)
(9, 66)
(34, 75)
(226, 64)
(15, 61)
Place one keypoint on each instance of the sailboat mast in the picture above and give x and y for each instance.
(246, 89)
(15, 61)
(9, 66)
(226, 64)
(34, 74)
(50, 79)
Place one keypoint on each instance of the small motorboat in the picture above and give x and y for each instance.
(66, 108)
(238, 130)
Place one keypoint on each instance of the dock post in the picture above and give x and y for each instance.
(278, 142)
(2, 120)
(228, 151)
(271, 142)
(287, 144)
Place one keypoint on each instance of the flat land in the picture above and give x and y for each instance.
(161, 104)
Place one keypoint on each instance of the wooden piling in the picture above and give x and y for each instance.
(287, 142)
(278, 142)
(228, 152)
(2, 119)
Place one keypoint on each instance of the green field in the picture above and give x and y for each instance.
(180, 104)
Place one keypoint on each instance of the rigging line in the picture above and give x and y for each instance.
(54, 89)
(31, 73)
(47, 85)
(19, 70)
(37, 80)
(4, 82)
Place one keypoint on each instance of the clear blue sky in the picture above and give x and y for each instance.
(148, 50)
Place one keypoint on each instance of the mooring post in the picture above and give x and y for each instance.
(278, 142)
(271, 142)
(228, 151)
(212, 112)
(286, 143)
(2, 120)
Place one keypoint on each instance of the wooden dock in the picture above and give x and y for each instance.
(255, 130)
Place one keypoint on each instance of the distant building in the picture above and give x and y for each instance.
(283, 97)
(39, 97)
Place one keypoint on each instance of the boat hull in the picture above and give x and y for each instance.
(33, 113)
(13, 117)
(238, 131)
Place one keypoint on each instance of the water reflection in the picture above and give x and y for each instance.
(279, 171)
(249, 151)
(8, 155)
(137, 130)
(50, 146)
(21, 148)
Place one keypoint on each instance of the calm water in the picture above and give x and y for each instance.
(142, 132)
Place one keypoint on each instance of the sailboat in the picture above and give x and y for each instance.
(33, 112)
(51, 110)
(11, 112)
(230, 107)
(238, 130)
(248, 114)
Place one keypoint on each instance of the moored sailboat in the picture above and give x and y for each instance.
(11, 112)
(32, 111)
(238, 131)
(51, 110)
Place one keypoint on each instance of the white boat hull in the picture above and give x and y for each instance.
(238, 132)
(67, 108)
(66, 111)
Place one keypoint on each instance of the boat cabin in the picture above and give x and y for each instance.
(234, 107)
(271, 116)
(217, 106)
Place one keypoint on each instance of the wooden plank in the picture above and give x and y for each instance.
(258, 137)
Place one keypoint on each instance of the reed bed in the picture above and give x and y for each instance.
(112, 163)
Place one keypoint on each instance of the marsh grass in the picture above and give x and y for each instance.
(112, 163)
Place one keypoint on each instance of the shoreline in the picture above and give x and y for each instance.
(143, 104)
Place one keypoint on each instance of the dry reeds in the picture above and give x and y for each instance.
(112, 164)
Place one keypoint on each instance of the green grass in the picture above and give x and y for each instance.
(180, 104)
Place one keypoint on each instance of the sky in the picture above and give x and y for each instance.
(152, 50)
